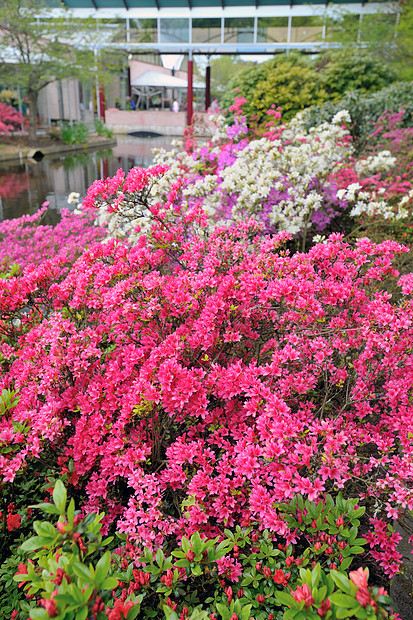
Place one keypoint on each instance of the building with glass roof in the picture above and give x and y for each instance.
(185, 28)
(225, 26)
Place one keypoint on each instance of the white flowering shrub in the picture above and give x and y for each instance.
(283, 177)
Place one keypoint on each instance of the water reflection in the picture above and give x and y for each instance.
(24, 187)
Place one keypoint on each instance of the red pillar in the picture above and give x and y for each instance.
(190, 91)
(129, 84)
(207, 87)
(102, 103)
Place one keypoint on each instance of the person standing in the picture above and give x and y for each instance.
(175, 105)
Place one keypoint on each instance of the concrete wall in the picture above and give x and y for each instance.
(163, 121)
(62, 95)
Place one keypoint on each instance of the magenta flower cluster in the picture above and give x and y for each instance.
(197, 379)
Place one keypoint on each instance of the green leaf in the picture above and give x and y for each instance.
(39, 614)
(44, 528)
(20, 577)
(182, 563)
(71, 511)
(46, 507)
(34, 543)
(196, 543)
(82, 614)
(153, 570)
(59, 496)
(169, 613)
(356, 550)
(344, 600)
(223, 610)
(110, 583)
(159, 557)
(315, 576)
(185, 544)
(246, 612)
(345, 564)
(82, 571)
(76, 592)
(284, 598)
(102, 568)
(359, 512)
(133, 612)
(341, 581)
(179, 554)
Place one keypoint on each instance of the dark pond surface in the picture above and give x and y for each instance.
(24, 187)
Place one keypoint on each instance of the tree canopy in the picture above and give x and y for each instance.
(37, 49)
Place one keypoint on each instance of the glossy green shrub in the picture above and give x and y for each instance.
(242, 574)
(365, 109)
(347, 70)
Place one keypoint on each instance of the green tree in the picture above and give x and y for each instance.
(353, 69)
(286, 81)
(36, 49)
(386, 34)
(403, 41)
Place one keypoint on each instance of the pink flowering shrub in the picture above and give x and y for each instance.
(194, 381)
(26, 241)
(10, 119)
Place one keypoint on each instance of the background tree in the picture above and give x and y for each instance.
(387, 35)
(37, 49)
(286, 81)
(223, 69)
(296, 82)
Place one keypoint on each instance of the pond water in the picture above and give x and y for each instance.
(24, 187)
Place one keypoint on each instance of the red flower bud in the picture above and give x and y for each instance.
(363, 596)
(50, 607)
(61, 527)
(325, 606)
